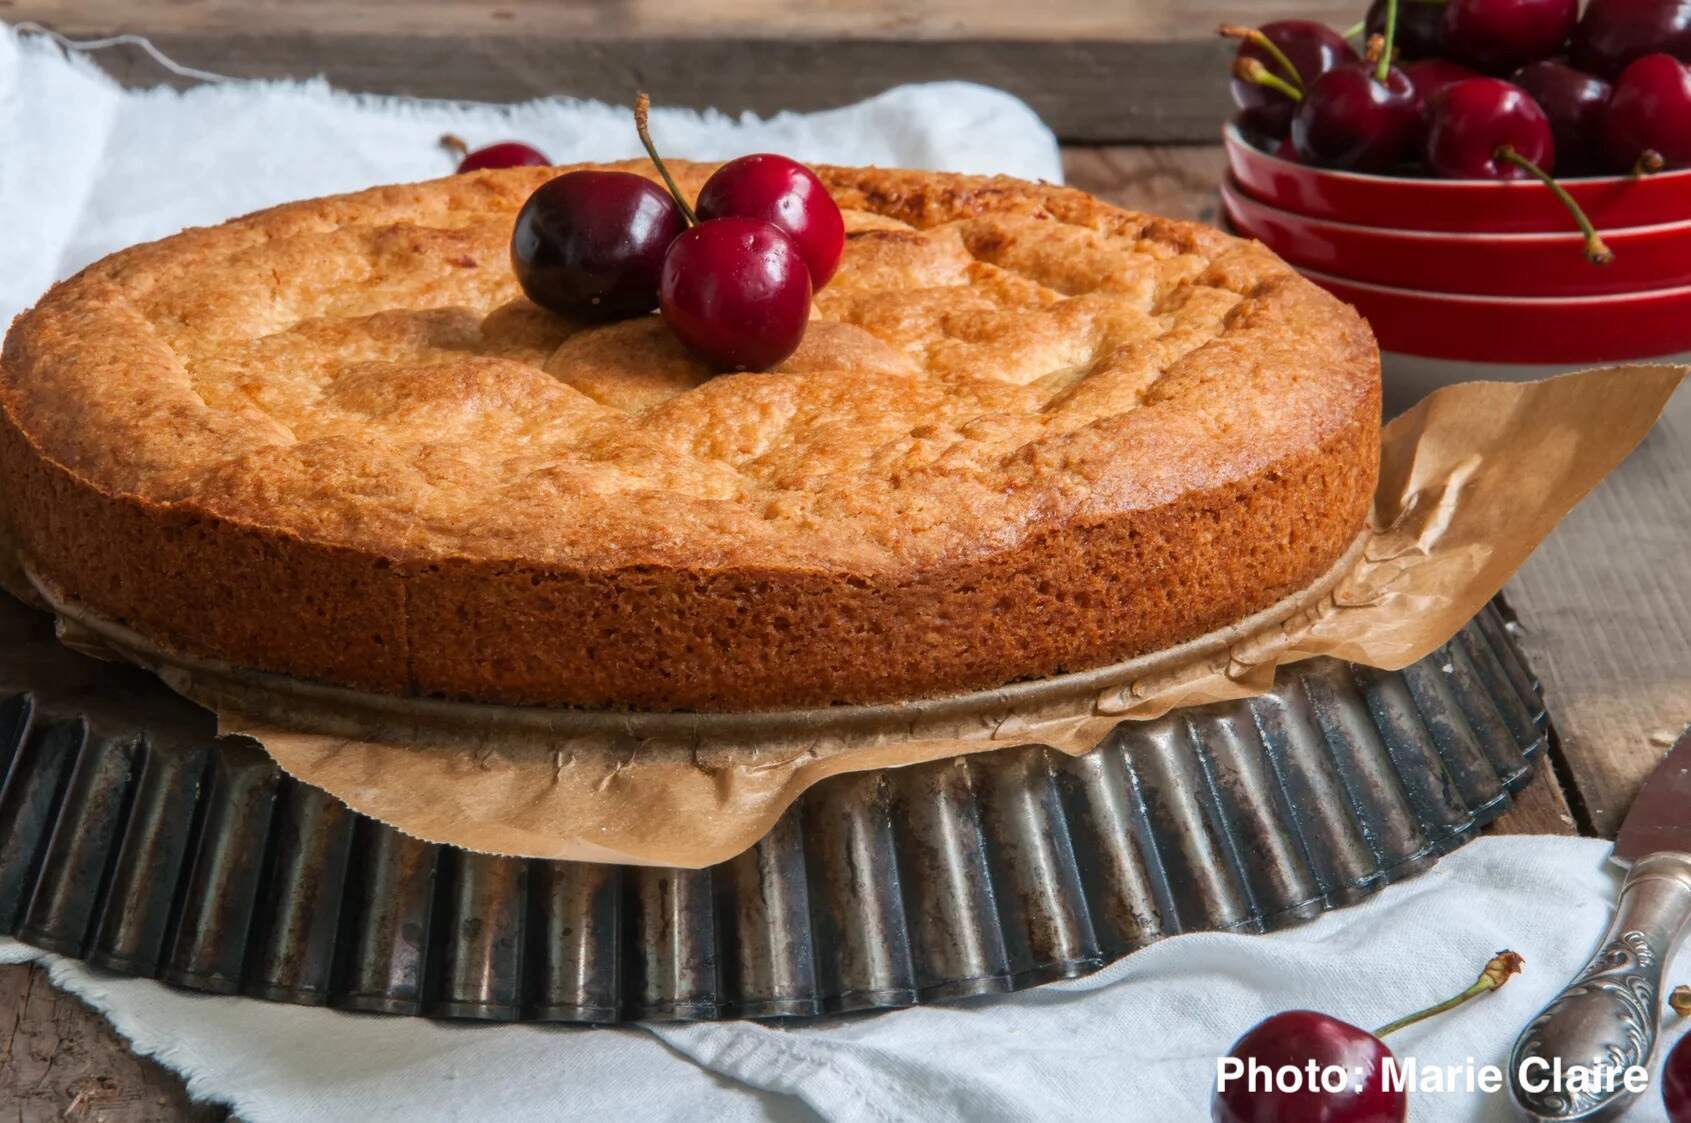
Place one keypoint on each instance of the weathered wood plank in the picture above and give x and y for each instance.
(1175, 180)
(1150, 71)
(1539, 808)
(59, 1060)
(619, 20)
(1605, 611)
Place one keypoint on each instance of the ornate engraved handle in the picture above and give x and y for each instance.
(1609, 1015)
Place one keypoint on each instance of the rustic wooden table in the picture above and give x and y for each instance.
(1604, 607)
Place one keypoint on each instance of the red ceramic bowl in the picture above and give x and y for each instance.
(1646, 257)
(1451, 204)
(1491, 329)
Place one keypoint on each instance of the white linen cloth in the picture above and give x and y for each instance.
(1136, 1041)
(86, 168)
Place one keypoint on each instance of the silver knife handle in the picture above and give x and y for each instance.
(1608, 1016)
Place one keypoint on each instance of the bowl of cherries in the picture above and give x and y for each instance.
(1502, 187)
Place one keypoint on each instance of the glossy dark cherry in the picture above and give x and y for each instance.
(1613, 33)
(1430, 77)
(1676, 1081)
(1650, 111)
(1420, 27)
(1295, 1038)
(1575, 103)
(1498, 36)
(737, 291)
(1348, 119)
(505, 154)
(591, 244)
(1473, 118)
(786, 194)
(1313, 48)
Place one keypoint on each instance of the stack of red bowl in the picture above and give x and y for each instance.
(1465, 279)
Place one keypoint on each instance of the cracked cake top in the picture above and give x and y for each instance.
(365, 371)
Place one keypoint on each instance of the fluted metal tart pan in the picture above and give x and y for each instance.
(132, 837)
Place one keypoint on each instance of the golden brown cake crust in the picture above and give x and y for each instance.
(1027, 432)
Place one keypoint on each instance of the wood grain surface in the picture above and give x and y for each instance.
(59, 1060)
(1145, 70)
(1605, 610)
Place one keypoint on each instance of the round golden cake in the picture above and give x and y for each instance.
(1026, 433)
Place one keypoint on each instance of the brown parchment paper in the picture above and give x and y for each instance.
(1472, 479)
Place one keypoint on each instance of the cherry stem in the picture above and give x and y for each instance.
(1649, 162)
(1255, 37)
(1252, 70)
(1354, 29)
(1496, 973)
(1680, 1000)
(454, 145)
(642, 111)
(1595, 251)
(1384, 66)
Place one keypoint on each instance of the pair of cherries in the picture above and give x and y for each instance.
(1640, 124)
(733, 275)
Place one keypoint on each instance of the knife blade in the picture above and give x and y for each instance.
(1660, 816)
(1605, 1022)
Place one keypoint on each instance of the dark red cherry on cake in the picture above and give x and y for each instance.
(786, 194)
(737, 292)
(1420, 27)
(1649, 114)
(1499, 36)
(1474, 121)
(505, 154)
(1612, 33)
(591, 244)
(1307, 50)
(1354, 118)
(1575, 103)
(1294, 1039)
